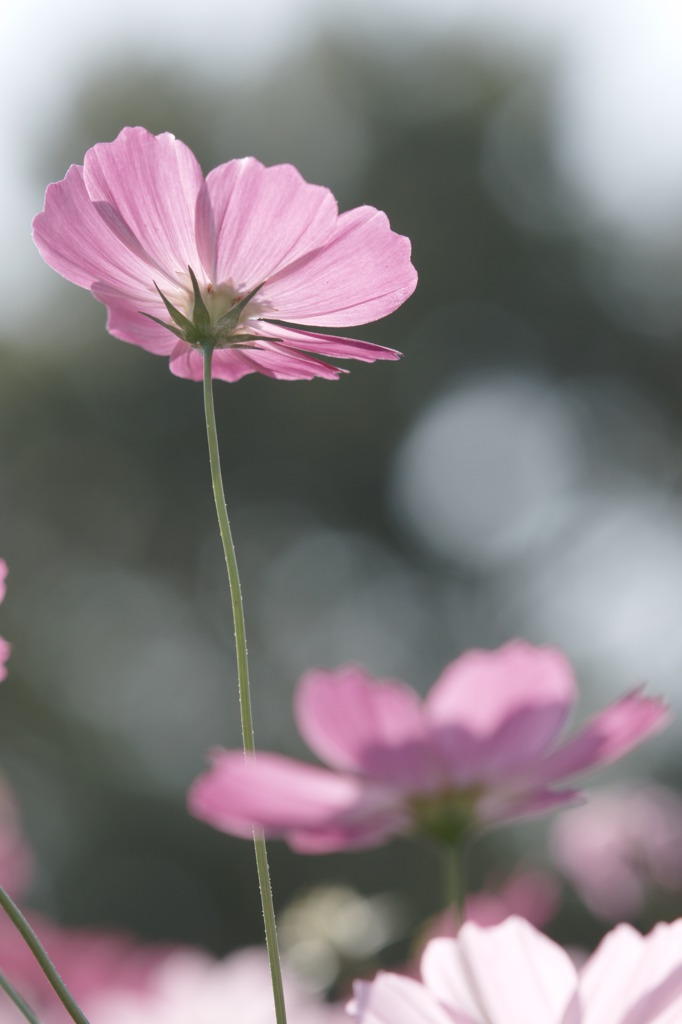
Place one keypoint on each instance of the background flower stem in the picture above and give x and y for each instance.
(243, 678)
(18, 1000)
(40, 953)
(455, 880)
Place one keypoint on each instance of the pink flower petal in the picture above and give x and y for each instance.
(281, 363)
(607, 736)
(74, 239)
(264, 218)
(361, 274)
(315, 809)
(518, 974)
(148, 187)
(634, 979)
(357, 723)
(125, 319)
(328, 345)
(391, 999)
(497, 806)
(494, 711)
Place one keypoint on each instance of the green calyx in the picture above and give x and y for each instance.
(203, 329)
(447, 816)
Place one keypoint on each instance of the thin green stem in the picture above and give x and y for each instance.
(454, 874)
(18, 1000)
(243, 678)
(40, 953)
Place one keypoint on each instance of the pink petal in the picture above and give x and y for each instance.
(494, 711)
(314, 809)
(188, 362)
(264, 218)
(281, 363)
(518, 974)
(125, 319)
(328, 345)
(607, 736)
(74, 239)
(629, 977)
(497, 806)
(391, 999)
(148, 187)
(361, 274)
(357, 723)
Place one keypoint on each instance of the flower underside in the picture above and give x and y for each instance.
(218, 326)
(446, 815)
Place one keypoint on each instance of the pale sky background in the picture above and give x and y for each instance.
(612, 70)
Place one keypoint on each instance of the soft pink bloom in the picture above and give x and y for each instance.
(193, 988)
(528, 893)
(4, 646)
(16, 857)
(619, 846)
(513, 974)
(139, 213)
(481, 748)
(90, 962)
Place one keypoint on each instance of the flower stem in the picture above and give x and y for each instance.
(455, 887)
(18, 1000)
(40, 953)
(243, 678)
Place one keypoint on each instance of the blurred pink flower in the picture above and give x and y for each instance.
(16, 857)
(513, 974)
(481, 748)
(620, 845)
(193, 988)
(528, 893)
(4, 646)
(90, 962)
(264, 245)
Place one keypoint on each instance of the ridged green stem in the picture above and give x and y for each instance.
(40, 953)
(243, 679)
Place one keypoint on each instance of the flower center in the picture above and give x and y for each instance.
(447, 815)
(215, 317)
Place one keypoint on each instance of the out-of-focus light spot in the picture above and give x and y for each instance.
(332, 927)
(332, 597)
(143, 676)
(612, 594)
(487, 472)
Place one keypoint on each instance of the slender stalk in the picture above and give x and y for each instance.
(18, 1000)
(40, 953)
(454, 875)
(243, 679)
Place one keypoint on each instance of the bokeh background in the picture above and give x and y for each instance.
(517, 474)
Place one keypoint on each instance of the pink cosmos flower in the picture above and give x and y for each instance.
(619, 846)
(222, 259)
(4, 646)
(193, 988)
(481, 748)
(513, 974)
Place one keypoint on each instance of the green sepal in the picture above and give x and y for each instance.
(201, 318)
(175, 314)
(169, 327)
